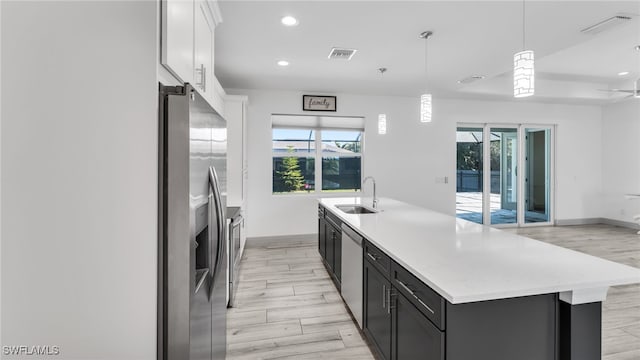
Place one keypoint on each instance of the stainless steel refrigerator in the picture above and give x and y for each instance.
(192, 255)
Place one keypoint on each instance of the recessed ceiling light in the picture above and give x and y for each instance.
(623, 73)
(289, 21)
(283, 63)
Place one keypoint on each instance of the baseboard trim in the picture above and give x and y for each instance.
(625, 224)
(585, 221)
(300, 237)
(593, 221)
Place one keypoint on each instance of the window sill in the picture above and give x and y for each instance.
(319, 194)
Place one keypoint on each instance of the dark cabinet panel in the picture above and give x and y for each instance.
(337, 256)
(322, 239)
(425, 299)
(414, 336)
(378, 258)
(330, 245)
(522, 328)
(376, 315)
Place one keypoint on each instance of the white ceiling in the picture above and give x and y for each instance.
(470, 37)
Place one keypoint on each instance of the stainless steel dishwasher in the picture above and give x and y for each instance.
(351, 287)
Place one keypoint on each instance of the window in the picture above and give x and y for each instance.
(316, 154)
(294, 155)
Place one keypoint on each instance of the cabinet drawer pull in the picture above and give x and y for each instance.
(384, 296)
(389, 295)
(403, 285)
(202, 71)
(373, 257)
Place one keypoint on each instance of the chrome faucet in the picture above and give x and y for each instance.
(375, 198)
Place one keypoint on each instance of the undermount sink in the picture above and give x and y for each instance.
(356, 209)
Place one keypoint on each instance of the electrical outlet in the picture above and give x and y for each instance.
(623, 212)
(442, 179)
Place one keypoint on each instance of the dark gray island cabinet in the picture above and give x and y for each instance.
(439, 288)
(330, 243)
(405, 319)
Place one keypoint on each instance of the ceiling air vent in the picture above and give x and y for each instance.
(470, 79)
(342, 54)
(606, 24)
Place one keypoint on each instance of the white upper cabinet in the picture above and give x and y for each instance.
(236, 114)
(188, 35)
(177, 38)
(203, 42)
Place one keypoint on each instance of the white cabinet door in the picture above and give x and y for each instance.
(235, 114)
(177, 38)
(203, 68)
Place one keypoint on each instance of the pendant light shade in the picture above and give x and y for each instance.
(425, 99)
(425, 108)
(523, 66)
(523, 74)
(382, 124)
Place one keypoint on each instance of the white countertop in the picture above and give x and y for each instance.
(467, 262)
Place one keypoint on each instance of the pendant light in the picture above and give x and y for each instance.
(523, 67)
(382, 118)
(382, 124)
(425, 99)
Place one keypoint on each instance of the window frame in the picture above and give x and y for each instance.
(317, 155)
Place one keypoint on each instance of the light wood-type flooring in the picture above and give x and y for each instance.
(621, 310)
(288, 308)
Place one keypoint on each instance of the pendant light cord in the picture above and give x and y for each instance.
(523, 25)
(425, 35)
(426, 53)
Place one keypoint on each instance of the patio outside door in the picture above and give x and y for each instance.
(504, 174)
(504, 168)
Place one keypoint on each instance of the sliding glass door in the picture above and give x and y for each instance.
(503, 174)
(469, 173)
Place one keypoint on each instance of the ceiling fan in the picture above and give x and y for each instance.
(635, 92)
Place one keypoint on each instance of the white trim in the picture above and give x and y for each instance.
(486, 175)
(236, 98)
(625, 224)
(303, 237)
(584, 296)
(317, 186)
(214, 11)
(487, 156)
(583, 221)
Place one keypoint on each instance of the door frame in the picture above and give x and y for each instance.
(552, 174)
(520, 172)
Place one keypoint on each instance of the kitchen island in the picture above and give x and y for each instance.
(434, 284)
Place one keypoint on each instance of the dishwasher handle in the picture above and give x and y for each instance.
(346, 230)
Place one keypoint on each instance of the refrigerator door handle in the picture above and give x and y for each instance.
(213, 187)
(201, 276)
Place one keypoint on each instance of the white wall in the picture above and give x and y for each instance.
(621, 159)
(79, 177)
(429, 148)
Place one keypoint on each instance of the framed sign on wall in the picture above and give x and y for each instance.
(318, 103)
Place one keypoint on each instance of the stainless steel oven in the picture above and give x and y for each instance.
(236, 227)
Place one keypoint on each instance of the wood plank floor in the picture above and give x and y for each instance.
(621, 310)
(288, 308)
